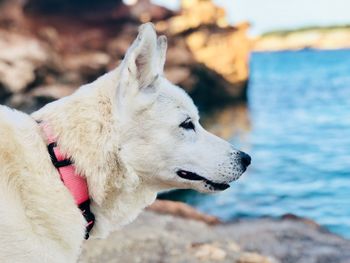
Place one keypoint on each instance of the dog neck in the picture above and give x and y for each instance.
(85, 129)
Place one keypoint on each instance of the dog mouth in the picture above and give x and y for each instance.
(195, 177)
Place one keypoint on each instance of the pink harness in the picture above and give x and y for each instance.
(75, 183)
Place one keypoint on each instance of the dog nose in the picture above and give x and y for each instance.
(245, 159)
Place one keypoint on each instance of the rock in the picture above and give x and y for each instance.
(209, 252)
(182, 210)
(288, 240)
(178, 74)
(52, 92)
(21, 102)
(20, 57)
(166, 238)
(196, 13)
(87, 64)
(253, 258)
(49, 43)
(162, 238)
(298, 218)
(219, 53)
(230, 121)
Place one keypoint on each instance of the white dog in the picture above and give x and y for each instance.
(129, 134)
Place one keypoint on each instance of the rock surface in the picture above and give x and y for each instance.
(182, 210)
(48, 44)
(167, 238)
(20, 57)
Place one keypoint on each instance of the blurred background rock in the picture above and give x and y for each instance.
(48, 48)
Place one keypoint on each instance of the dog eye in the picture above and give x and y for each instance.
(187, 125)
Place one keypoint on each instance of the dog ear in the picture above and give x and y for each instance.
(139, 67)
(162, 45)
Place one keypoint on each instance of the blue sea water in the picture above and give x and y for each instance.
(299, 104)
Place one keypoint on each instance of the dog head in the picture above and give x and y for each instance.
(160, 136)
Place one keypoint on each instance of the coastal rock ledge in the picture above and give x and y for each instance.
(167, 238)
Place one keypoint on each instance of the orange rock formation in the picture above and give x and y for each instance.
(70, 43)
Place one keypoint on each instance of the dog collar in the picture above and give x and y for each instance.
(75, 183)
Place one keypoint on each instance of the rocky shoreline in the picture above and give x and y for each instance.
(313, 38)
(156, 237)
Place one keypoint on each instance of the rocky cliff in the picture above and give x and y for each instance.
(305, 38)
(48, 48)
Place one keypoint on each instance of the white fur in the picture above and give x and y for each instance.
(122, 132)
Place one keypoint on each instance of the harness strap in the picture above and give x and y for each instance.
(75, 183)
